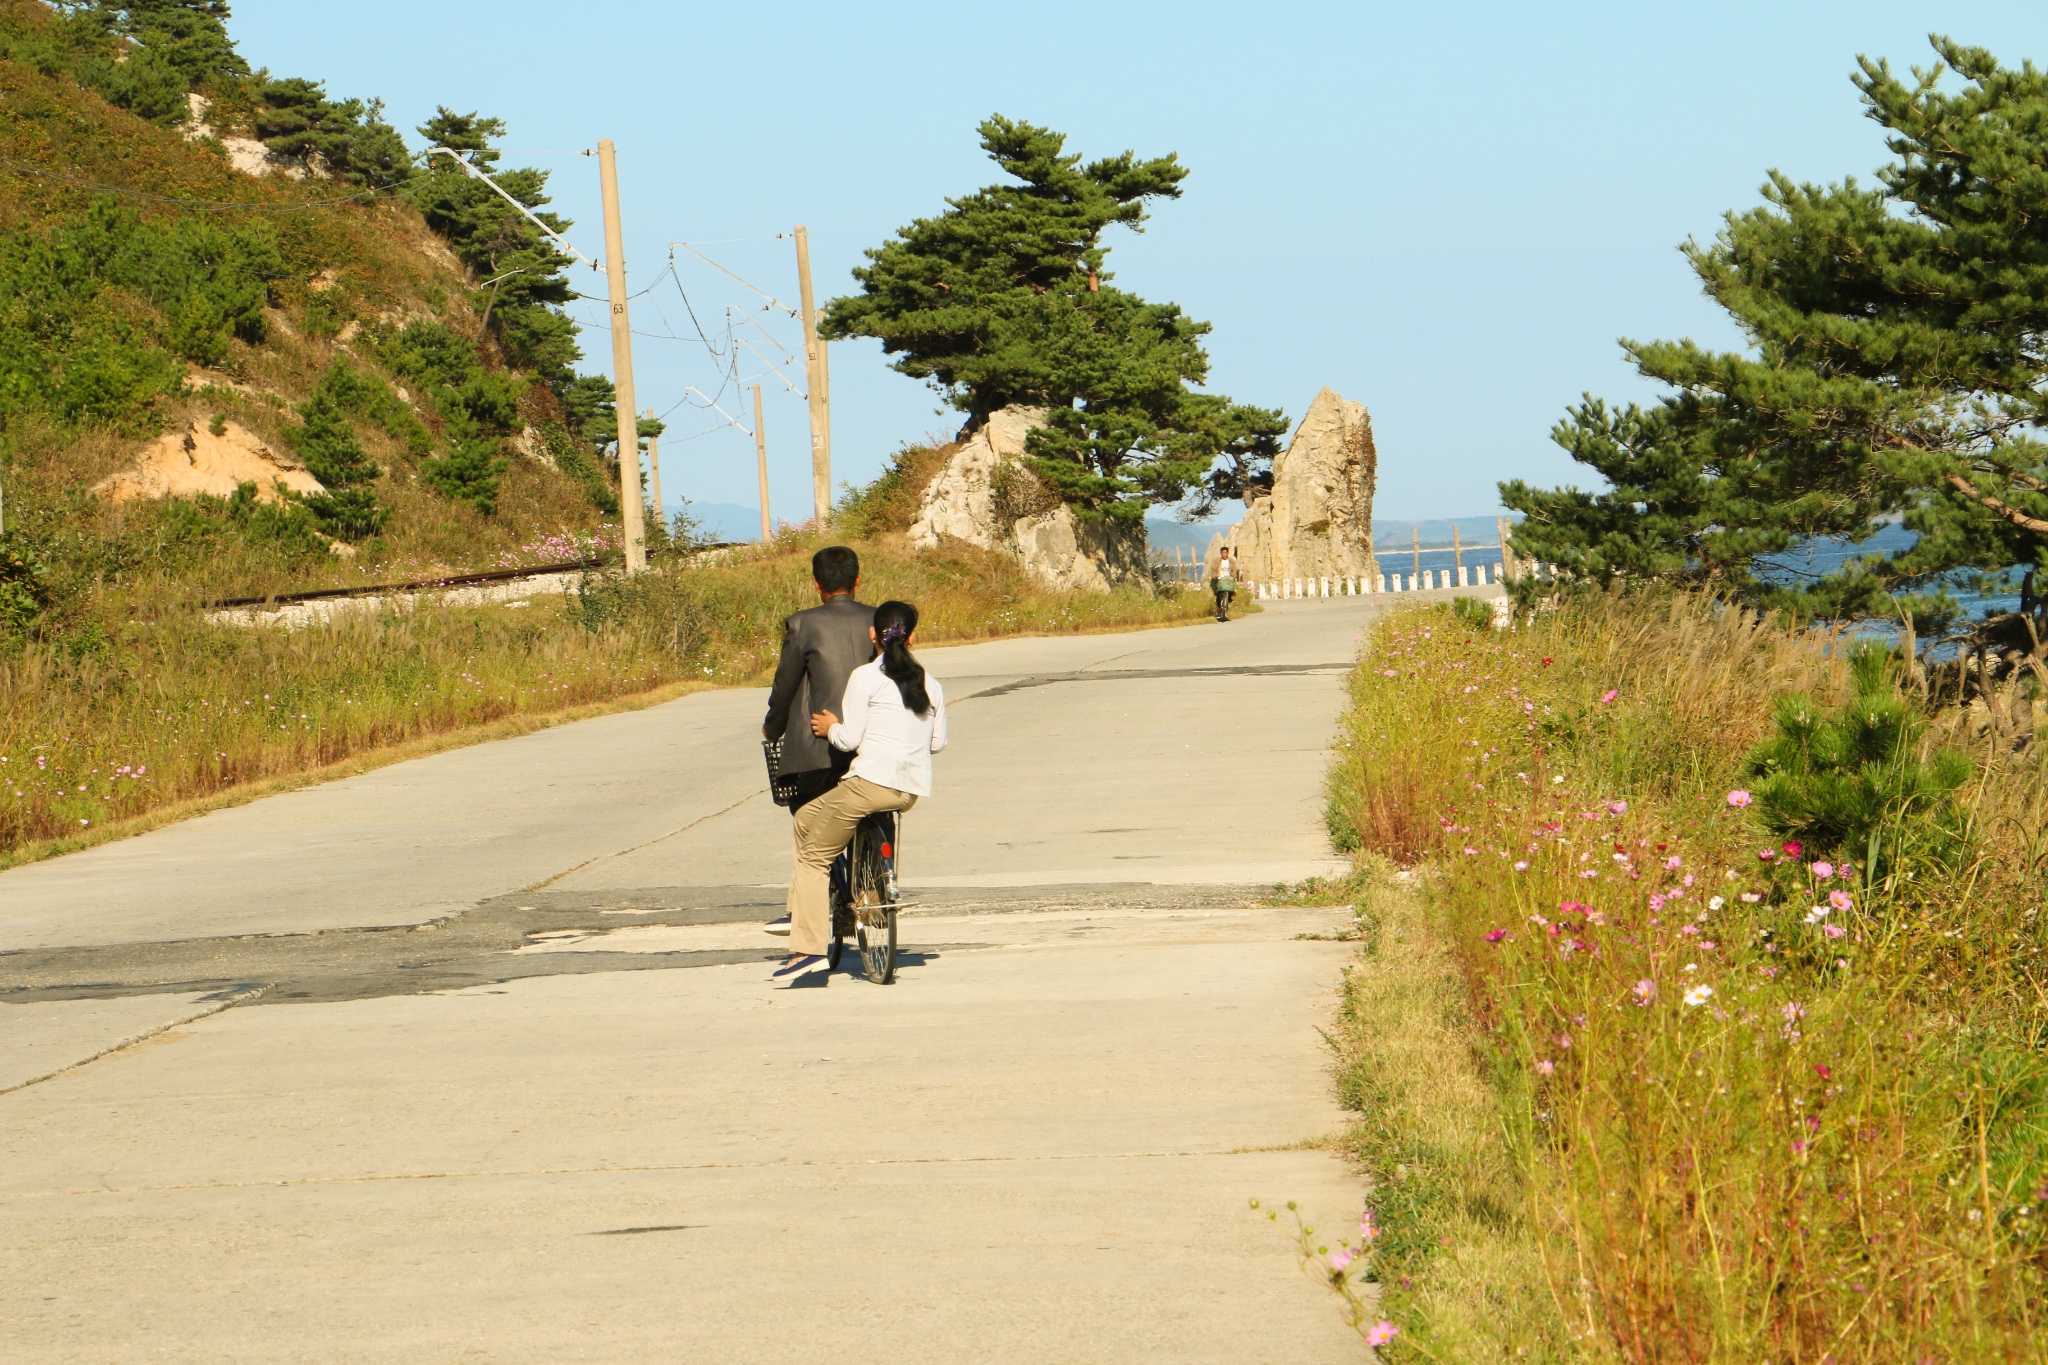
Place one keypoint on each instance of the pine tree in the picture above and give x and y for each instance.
(1896, 366)
(497, 243)
(1005, 299)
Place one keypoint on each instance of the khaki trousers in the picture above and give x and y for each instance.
(821, 830)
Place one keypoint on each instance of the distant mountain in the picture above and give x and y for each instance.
(1394, 535)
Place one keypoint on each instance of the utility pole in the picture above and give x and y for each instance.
(818, 382)
(630, 495)
(1457, 545)
(1417, 530)
(654, 473)
(761, 463)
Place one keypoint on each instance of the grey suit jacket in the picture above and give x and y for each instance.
(821, 646)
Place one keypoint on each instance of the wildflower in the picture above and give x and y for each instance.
(1692, 967)
(1793, 848)
(1471, 852)
(1833, 930)
(1382, 1332)
(1590, 874)
(1609, 695)
(1822, 1069)
(1645, 991)
(1558, 778)
(1656, 900)
(1617, 808)
(1816, 914)
(1521, 865)
(1367, 1228)
(1673, 863)
(1544, 1066)
(1496, 935)
(1751, 897)
(1841, 900)
(1823, 870)
(1700, 994)
(1716, 903)
(1739, 798)
(1340, 1259)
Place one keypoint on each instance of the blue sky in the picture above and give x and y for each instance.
(1449, 212)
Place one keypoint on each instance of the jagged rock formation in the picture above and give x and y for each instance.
(986, 495)
(1317, 520)
(180, 464)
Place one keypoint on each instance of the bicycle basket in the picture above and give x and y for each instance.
(783, 788)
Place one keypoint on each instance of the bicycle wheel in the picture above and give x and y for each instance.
(874, 902)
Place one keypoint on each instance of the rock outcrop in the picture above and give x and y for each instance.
(1317, 520)
(986, 495)
(195, 460)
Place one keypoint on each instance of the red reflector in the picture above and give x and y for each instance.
(887, 852)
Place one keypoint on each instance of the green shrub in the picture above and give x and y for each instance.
(891, 502)
(468, 473)
(1852, 781)
(95, 316)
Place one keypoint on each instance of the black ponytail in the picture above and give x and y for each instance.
(893, 623)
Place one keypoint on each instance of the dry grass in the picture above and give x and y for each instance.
(1454, 1256)
(1735, 1138)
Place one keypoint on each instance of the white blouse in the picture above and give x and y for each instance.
(892, 746)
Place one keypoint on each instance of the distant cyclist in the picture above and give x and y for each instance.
(894, 721)
(1225, 584)
(821, 647)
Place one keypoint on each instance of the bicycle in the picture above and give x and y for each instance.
(864, 897)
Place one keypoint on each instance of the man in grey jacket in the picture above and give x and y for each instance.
(821, 646)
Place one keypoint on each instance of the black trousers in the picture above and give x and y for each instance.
(815, 782)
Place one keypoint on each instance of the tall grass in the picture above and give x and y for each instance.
(1756, 1107)
(168, 708)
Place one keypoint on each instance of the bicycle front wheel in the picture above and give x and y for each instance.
(874, 904)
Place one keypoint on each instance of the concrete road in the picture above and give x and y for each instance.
(473, 1058)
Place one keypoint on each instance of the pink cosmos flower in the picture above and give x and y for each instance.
(1340, 1259)
(1645, 991)
(1823, 870)
(1496, 935)
(1521, 865)
(1617, 808)
(1673, 863)
(1841, 900)
(1382, 1332)
(1609, 695)
(1766, 855)
(1751, 897)
(1833, 930)
(1793, 848)
(1544, 1066)
(1739, 798)
(1367, 1227)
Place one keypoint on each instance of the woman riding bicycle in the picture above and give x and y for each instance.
(895, 720)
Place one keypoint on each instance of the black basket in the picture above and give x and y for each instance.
(784, 788)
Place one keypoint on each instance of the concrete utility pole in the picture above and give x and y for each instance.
(630, 495)
(761, 463)
(818, 382)
(654, 474)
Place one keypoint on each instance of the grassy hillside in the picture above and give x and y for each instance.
(343, 330)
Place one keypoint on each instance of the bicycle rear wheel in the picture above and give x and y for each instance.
(874, 901)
